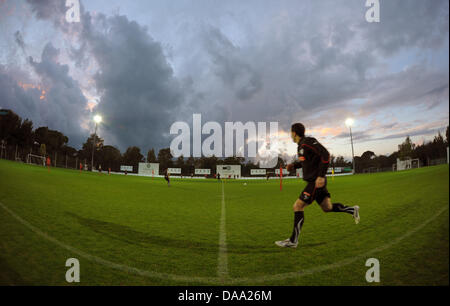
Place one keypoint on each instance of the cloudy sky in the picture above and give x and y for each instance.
(143, 65)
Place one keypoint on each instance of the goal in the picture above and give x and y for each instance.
(35, 159)
(406, 164)
(415, 163)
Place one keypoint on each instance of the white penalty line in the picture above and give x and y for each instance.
(215, 280)
(222, 267)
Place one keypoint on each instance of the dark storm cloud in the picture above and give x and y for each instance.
(369, 135)
(12, 96)
(54, 11)
(304, 65)
(417, 132)
(360, 135)
(139, 94)
(50, 70)
(413, 86)
(228, 65)
(64, 105)
(57, 102)
(19, 40)
(406, 23)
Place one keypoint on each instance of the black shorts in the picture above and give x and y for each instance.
(311, 193)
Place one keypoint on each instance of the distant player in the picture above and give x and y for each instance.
(218, 176)
(81, 167)
(267, 176)
(100, 169)
(167, 177)
(314, 159)
(48, 163)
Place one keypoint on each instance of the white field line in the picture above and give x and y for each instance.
(222, 268)
(217, 280)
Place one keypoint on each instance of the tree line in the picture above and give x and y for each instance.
(20, 138)
(427, 154)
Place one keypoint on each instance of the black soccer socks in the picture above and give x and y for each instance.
(338, 207)
(299, 219)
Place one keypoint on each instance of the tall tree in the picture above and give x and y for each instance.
(41, 135)
(190, 165)
(151, 157)
(10, 124)
(86, 151)
(179, 163)
(110, 158)
(132, 157)
(340, 162)
(406, 149)
(165, 159)
(24, 134)
(53, 140)
(446, 136)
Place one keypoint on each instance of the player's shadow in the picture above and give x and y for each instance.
(241, 249)
(128, 235)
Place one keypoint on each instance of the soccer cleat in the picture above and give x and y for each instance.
(286, 243)
(356, 214)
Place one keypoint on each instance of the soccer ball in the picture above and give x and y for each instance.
(245, 184)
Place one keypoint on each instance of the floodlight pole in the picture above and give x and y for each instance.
(353, 154)
(93, 147)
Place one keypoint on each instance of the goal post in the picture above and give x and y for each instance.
(415, 163)
(35, 159)
(406, 164)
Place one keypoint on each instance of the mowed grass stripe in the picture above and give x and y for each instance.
(222, 269)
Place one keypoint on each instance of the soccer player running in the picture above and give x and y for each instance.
(314, 159)
(167, 177)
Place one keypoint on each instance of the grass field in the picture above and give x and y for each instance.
(129, 230)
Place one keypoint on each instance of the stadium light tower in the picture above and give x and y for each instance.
(97, 120)
(349, 122)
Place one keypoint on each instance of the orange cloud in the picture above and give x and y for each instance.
(28, 86)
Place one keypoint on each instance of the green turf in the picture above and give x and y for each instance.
(141, 223)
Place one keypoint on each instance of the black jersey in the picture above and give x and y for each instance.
(313, 158)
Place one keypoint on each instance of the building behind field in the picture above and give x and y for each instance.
(148, 169)
(406, 164)
(229, 171)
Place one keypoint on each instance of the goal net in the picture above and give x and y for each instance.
(36, 160)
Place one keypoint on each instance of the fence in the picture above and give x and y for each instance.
(376, 170)
(19, 154)
(435, 162)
